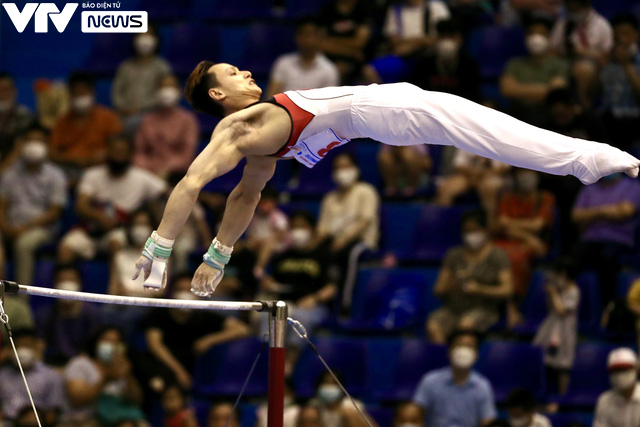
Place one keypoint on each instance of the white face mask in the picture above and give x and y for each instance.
(34, 151)
(82, 104)
(27, 357)
(330, 394)
(6, 105)
(300, 237)
(345, 177)
(145, 44)
(168, 96)
(520, 422)
(623, 380)
(633, 49)
(447, 49)
(139, 234)
(463, 357)
(475, 239)
(68, 285)
(105, 351)
(537, 44)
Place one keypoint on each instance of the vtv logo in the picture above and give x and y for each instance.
(43, 12)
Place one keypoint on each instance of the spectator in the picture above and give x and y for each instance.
(267, 232)
(347, 29)
(107, 195)
(308, 68)
(633, 303)
(45, 383)
(101, 386)
(620, 81)
(336, 409)
(79, 138)
(14, 119)
(134, 86)
(408, 414)
(27, 418)
(67, 324)
(167, 138)
(177, 413)
(223, 415)
(349, 220)
(309, 416)
(292, 411)
(521, 407)
(620, 406)
(606, 213)
(450, 70)
(477, 173)
(404, 169)
(585, 37)
(526, 81)
(19, 311)
(558, 333)
(33, 194)
(456, 394)
(525, 219)
(300, 275)
(475, 279)
(175, 337)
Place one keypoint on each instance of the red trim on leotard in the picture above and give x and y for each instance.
(299, 120)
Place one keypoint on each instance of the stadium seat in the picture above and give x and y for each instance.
(534, 306)
(493, 46)
(415, 358)
(590, 309)
(95, 275)
(565, 419)
(166, 10)
(625, 280)
(589, 376)
(238, 11)
(107, 52)
(265, 43)
(299, 9)
(510, 365)
(352, 368)
(222, 371)
(383, 416)
(226, 182)
(191, 43)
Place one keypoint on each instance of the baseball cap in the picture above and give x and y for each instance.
(622, 358)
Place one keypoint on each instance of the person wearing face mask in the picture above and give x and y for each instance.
(620, 81)
(79, 138)
(336, 409)
(301, 276)
(525, 219)
(474, 282)
(450, 69)
(167, 137)
(100, 383)
(33, 194)
(67, 324)
(527, 80)
(620, 406)
(14, 119)
(607, 216)
(349, 219)
(45, 382)
(107, 196)
(408, 414)
(521, 407)
(456, 395)
(135, 83)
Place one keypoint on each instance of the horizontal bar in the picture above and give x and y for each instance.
(142, 302)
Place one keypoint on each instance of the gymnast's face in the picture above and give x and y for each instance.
(233, 84)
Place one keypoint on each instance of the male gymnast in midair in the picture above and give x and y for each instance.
(305, 125)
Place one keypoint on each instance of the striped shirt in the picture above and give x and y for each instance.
(45, 383)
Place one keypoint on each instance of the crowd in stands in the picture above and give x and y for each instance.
(82, 186)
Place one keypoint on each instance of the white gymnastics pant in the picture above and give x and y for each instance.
(403, 114)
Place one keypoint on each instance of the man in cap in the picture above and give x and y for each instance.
(620, 406)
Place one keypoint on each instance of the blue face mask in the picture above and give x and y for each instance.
(105, 351)
(329, 394)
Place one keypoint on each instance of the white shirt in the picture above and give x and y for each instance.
(613, 410)
(292, 74)
(408, 22)
(540, 420)
(595, 34)
(127, 192)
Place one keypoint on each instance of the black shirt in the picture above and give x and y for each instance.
(463, 81)
(303, 272)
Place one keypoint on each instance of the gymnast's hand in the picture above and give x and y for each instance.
(153, 262)
(206, 279)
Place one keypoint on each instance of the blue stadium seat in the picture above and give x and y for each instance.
(107, 52)
(383, 416)
(166, 10)
(415, 358)
(493, 46)
(95, 275)
(392, 299)
(222, 371)
(625, 280)
(589, 376)
(231, 11)
(191, 43)
(300, 9)
(534, 306)
(226, 182)
(353, 368)
(367, 154)
(265, 43)
(590, 309)
(509, 365)
(564, 419)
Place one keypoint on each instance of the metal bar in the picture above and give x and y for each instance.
(277, 329)
(136, 301)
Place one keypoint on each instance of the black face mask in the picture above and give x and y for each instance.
(118, 167)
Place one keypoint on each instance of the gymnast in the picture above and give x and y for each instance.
(306, 125)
